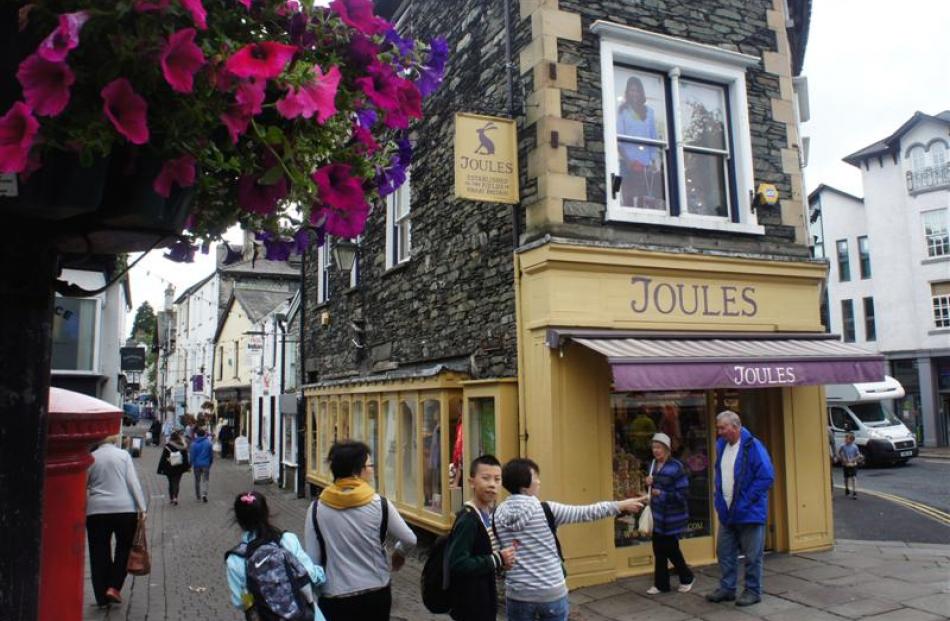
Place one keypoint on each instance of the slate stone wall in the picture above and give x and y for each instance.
(455, 297)
(738, 25)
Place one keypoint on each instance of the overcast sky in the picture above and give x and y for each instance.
(870, 65)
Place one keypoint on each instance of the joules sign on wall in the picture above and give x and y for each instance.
(692, 299)
(486, 158)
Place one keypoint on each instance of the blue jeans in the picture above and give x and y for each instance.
(538, 611)
(750, 540)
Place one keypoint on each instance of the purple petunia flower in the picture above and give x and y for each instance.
(403, 45)
(366, 117)
(181, 252)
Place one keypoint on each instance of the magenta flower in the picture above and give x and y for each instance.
(144, 6)
(246, 3)
(181, 59)
(57, 45)
(359, 14)
(249, 100)
(410, 105)
(260, 60)
(126, 110)
(380, 86)
(316, 97)
(18, 128)
(260, 199)
(367, 142)
(180, 171)
(343, 208)
(45, 84)
(198, 13)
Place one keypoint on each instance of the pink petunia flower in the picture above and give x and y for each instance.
(18, 128)
(198, 13)
(260, 60)
(126, 109)
(248, 102)
(181, 59)
(246, 3)
(380, 86)
(57, 45)
(359, 14)
(410, 105)
(260, 199)
(180, 171)
(366, 140)
(316, 97)
(343, 208)
(45, 84)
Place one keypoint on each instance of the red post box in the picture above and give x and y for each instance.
(76, 422)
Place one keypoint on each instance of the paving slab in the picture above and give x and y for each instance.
(863, 607)
(906, 614)
(937, 604)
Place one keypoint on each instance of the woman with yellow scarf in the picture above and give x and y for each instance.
(346, 531)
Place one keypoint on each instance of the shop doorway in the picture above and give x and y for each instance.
(760, 411)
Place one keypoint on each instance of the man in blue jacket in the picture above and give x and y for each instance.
(744, 475)
(200, 455)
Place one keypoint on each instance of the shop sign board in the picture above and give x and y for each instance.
(242, 452)
(132, 358)
(261, 466)
(486, 158)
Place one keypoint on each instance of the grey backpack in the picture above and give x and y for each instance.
(278, 581)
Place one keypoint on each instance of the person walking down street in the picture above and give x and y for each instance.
(473, 555)
(155, 431)
(850, 457)
(114, 502)
(535, 586)
(201, 455)
(345, 532)
(744, 475)
(253, 516)
(669, 486)
(173, 464)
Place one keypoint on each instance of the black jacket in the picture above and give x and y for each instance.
(473, 565)
(165, 467)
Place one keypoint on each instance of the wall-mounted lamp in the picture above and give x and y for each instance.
(344, 254)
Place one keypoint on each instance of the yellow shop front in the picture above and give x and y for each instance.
(618, 344)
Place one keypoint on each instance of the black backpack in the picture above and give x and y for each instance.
(383, 528)
(436, 574)
(278, 581)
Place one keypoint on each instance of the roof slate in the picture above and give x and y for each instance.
(257, 303)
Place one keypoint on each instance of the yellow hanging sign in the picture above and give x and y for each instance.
(486, 158)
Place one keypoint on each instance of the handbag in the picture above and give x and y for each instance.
(645, 523)
(175, 458)
(140, 564)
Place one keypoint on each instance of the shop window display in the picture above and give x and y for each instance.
(325, 431)
(482, 422)
(407, 445)
(358, 422)
(343, 425)
(314, 436)
(683, 416)
(389, 445)
(432, 454)
(372, 433)
(456, 445)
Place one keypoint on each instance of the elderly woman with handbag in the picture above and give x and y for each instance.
(669, 485)
(113, 507)
(173, 464)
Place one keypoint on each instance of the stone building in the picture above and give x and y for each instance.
(639, 284)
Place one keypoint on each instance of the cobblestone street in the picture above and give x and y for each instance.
(188, 543)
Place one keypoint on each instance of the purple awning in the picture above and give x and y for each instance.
(684, 362)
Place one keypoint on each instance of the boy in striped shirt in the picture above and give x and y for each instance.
(535, 586)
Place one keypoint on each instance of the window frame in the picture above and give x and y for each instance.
(94, 369)
(678, 58)
(394, 233)
(843, 260)
(847, 311)
(940, 310)
(870, 325)
(941, 240)
(324, 261)
(864, 257)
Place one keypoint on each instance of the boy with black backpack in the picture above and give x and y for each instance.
(474, 559)
(269, 574)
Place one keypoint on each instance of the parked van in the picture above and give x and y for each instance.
(866, 411)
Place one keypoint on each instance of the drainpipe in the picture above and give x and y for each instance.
(301, 402)
(510, 87)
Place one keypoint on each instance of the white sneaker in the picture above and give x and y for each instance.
(686, 588)
(653, 590)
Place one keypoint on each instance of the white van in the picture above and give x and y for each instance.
(866, 411)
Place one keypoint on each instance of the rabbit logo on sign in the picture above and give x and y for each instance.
(485, 144)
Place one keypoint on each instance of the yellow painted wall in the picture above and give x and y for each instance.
(235, 326)
(566, 422)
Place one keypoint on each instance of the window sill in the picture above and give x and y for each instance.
(938, 331)
(930, 261)
(321, 306)
(687, 222)
(397, 268)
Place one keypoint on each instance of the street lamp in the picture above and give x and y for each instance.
(344, 254)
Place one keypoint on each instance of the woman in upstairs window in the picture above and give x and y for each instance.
(639, 163)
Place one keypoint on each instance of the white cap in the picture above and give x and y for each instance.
(663, 439)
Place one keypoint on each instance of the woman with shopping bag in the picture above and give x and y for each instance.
(113, 507)
(669, 513)
(173, 464)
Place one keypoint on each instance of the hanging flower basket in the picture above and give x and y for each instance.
(280, 115)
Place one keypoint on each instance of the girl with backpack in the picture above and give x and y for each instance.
(258, 578)
(173, 464)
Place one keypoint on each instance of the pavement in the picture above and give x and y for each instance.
(934, 452)
(859, 579)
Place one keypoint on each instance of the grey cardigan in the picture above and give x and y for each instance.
(113, 486)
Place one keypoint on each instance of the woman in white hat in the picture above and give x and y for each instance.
(668, 503)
